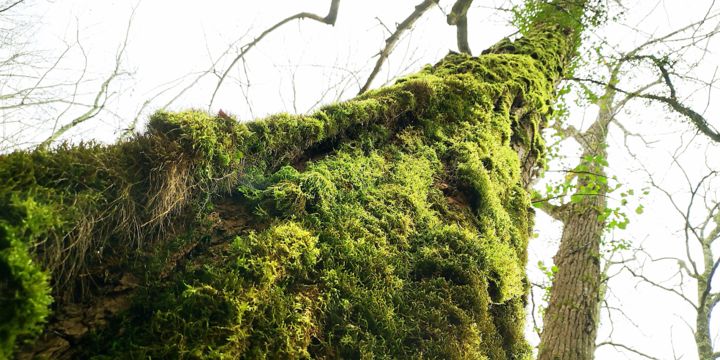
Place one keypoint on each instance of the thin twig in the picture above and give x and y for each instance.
(628, 348)
(329, 20)
(390, 43)
(101, 96)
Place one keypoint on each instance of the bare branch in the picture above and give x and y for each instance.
(390, 43)
(458, 18)
(10, 6)
(100, 97)
(662, 287)
(329, 19)
(714, 300)
(672, 101)
(556, 212)
(628, 348)
(697, 119)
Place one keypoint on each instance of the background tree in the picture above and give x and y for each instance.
(692, 36)
(698, 268)
(43, 93)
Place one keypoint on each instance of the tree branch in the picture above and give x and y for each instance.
(394, 38)
(329, 19)
(695, 118)
(458, 18)
(628, 348)
(10, 6)
(665, 288)
(100, 97)
(672, 101)
(698, 120)
(556, 212)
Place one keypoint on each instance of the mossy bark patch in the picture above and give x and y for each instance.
(404, 237)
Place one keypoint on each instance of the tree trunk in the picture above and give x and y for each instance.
(392, 225)
(707, 300)
(572, 317)
(703, 337)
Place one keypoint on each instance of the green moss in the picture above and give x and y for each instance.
(361, 258)
(210, 141)
(250, 305)
(393, 225)
(67, 212)
(24, 288)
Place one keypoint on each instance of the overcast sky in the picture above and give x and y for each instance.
(171, 42)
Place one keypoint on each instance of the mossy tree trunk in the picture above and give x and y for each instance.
(703, 335)
(392, 225)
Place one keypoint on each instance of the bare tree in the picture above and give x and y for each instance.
(41, 100)
(571, 318)
(698, 267)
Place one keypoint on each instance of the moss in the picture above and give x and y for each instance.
(360, 251)
(374, 206)
(210, 141)
(24, 287)
(250, 305)
(393, 225)
(68, 213)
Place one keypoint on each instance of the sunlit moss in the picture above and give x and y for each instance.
(393, 225)
(24, 287)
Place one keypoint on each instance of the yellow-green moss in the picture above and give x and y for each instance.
(24, 287)
(393, 225)
(405, 240)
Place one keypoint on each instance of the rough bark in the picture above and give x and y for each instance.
(703, 337)
(572, 317)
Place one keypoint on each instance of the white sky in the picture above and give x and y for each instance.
(170, 40)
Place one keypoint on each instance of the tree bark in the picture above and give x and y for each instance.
(572, 317)
(707, 300)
